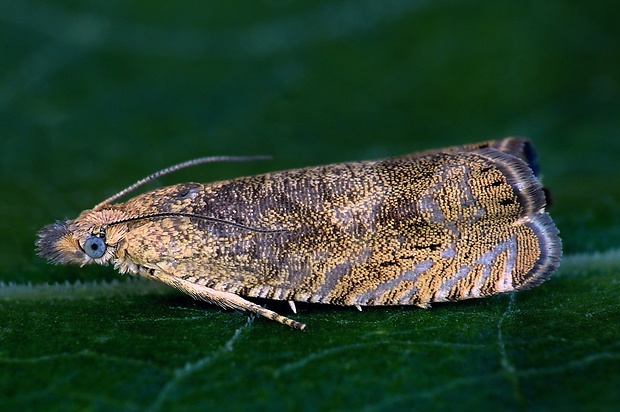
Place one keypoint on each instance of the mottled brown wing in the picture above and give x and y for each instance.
(447, 225)
(519, 147)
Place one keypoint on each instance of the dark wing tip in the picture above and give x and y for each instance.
(550, 250)
(520, 147)
(532, 197)
(520, 177)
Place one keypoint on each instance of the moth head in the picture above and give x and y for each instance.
(93, 237)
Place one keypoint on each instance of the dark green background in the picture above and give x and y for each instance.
(95, 95)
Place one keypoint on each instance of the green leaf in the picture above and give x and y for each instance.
(95, 95)
(132, 345)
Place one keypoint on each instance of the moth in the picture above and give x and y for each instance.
(444, 225)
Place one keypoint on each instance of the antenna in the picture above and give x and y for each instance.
(194, 162)
(164, 215)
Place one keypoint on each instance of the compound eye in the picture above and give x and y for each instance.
(94, 247)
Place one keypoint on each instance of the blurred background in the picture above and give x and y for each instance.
(95, 95)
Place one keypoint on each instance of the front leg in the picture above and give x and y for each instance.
(223, 299)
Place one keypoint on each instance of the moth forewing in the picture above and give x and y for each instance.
(451, 224)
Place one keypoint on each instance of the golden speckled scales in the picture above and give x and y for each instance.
(451, 224)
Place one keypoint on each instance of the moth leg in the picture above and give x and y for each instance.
(224, 299)
(292, 305)
(358, 307)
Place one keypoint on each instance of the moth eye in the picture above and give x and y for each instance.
(94, 247)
